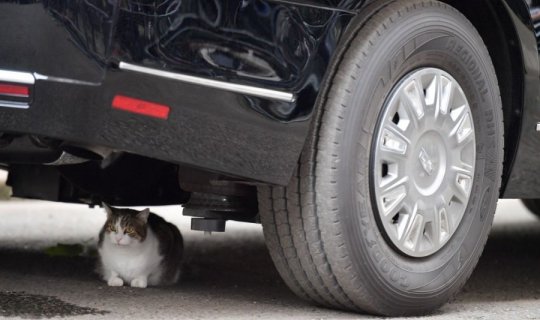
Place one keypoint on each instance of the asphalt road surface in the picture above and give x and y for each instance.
(227, 275)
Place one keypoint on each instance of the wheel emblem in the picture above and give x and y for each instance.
(425, 161)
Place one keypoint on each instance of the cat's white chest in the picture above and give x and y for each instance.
(132, 262)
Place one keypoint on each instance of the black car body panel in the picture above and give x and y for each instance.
(267, 44)
(74, 50)
(64, 39)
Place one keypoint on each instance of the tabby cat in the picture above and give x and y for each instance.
(139, 248)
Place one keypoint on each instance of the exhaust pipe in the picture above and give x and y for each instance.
(25, 150)
(74, 154)
(30, 149)
(85, 152)
(67, 158)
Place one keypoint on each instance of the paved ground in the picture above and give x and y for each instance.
(227, 276)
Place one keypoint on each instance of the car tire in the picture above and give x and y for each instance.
(323, 230)
(533, 205)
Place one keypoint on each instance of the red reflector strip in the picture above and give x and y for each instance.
(14, 90)
(143, 107)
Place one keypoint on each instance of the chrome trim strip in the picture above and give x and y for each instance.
(16, 77)
(39, 76)
(15, 105)
(316, 6)
(239, 88)
(538, 126)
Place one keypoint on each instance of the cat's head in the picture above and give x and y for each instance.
(125, 227)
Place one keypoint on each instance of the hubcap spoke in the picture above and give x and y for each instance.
(393, 140)
(425, 156)
(414, 98)
(393, 195)
(443, 225)
(413, 233)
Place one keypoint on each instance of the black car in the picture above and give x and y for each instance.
(371, 139)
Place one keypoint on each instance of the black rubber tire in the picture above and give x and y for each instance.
(533, 205)
(321, 229)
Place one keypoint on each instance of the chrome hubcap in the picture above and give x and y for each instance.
(424, 157)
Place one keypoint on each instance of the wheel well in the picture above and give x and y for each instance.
(493, 23)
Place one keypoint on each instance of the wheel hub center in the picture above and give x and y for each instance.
(428, 167)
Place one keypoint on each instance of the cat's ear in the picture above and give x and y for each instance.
(108, 209)
(143, 215)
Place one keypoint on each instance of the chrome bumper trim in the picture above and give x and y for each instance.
(16, 77)
(15, 105)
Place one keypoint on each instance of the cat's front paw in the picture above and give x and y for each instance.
(139, 283)
(115, 282)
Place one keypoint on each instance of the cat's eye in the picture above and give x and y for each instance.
(112, 228)
(130, 230)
